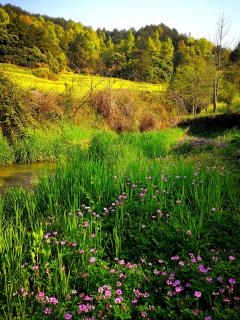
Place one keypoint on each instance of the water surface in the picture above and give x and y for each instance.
(22, 175)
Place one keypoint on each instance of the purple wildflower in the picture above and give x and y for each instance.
(119, 300)
(68, 316)
(232, 281)
(41, 295)
(92, 260)
(119, 292)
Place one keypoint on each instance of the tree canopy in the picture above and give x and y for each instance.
(154, 53)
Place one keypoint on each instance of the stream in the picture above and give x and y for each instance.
(22, 175)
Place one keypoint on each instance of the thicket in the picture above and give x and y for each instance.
(126, 110)
(33, 123)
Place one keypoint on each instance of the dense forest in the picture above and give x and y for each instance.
(150, 54)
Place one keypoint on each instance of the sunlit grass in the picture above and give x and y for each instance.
(81, 83)
(125, 196)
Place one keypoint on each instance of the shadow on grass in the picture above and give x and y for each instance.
(211, 126)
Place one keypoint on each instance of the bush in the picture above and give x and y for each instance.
(13, 115)
(147, 123)
(26, 57)
(126, 110)
(43, 106)
(118, 107)
(45, 74)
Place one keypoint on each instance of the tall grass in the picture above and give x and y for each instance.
(45, 144)
(6, 152)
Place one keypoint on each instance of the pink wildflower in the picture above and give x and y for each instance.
(231, 258)
(197, 294)
(47, 311)
(119, 300)
(119, 292)
(41, 295)
(92, 260)
(68, 316)
(53, 300)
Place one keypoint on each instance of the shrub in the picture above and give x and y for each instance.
(126, 110)
(118, 107)
(147, 122)
(45, 74)
(13, 115)
(43, 106)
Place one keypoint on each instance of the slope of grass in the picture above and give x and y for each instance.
(81, 84)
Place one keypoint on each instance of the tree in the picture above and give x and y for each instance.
(127, 45)
(4, 17)
(192, 86)
(223, 25)
(84, 51)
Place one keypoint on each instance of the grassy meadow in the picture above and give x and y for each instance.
(133, 226)
(37, 79)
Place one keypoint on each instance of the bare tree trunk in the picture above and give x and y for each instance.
(215, 93)
(223, 25)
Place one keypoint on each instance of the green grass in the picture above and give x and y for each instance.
(81, 83)
(46, 144)
(137, 200)
(6, 152)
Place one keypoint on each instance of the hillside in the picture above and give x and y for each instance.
(33, 40)
(38, 79)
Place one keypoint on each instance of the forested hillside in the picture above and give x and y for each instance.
(150, 54)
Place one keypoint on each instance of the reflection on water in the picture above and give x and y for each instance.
(24, 175)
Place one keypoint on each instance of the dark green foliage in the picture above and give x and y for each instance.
(218, 123)
(235, 55)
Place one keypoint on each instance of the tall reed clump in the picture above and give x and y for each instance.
(40, 145)
(6, 152)
(153, 144)
(45, 144)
